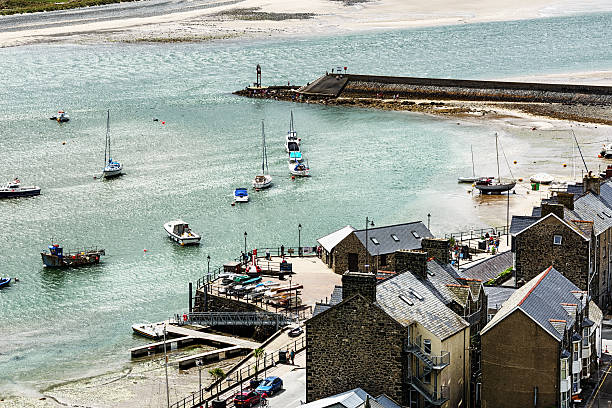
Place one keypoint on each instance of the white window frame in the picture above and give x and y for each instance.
(560, 239)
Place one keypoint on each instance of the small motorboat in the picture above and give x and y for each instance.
(4, 282)
(292, 142)
(606, 151)
(542, 178)
(56, 258)
(61, 117)
(14, 189)
(149, 330)
(241, 195)
(180, 233)
(297, 166)
(112, 168)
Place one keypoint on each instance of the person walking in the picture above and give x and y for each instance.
(292, 355)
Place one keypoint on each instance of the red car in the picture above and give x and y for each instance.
(247, 399)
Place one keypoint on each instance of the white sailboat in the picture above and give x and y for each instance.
(489, 185)
(111, 168)
(264, 179)
(473, 178)
(292, 142)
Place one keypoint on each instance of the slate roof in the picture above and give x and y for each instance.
(541, 300)
(605, 193)
(418, 303)
(497, 295)
(520, 222)
(590, 207)
(352, 399)
(330, 241)
(386, 243)
(334, 299)
(490, 268)
(576, 189)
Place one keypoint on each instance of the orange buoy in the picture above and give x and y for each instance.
(292, 177)
(520, 179)
(515, 162)
(63, 143)
(564, 164)
(599, 156)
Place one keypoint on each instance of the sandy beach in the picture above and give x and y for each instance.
(143, 21)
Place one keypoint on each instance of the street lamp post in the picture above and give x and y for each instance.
(200, 363)
(245, 246)
(428, 219)
(299, 239)
(371, 223)
(208, 259)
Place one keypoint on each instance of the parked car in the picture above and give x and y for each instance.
(247, 399)
(270, 386)
(296, 331)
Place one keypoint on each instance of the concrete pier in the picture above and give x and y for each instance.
(212, 356)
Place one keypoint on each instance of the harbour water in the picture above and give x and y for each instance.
(391, 166)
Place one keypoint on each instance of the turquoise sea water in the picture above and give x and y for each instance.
(391, 166)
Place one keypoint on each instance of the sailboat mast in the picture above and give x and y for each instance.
(291, 125)
(263, 148)
(108, 145)
(473, 171)
(497, 154)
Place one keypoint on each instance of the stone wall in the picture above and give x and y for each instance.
(548, 208)
(414, 261)
(437, 248)
(354, 344)
(350, 244)
(517, 356)
(222, 304)
(535, 252)
(357, 282)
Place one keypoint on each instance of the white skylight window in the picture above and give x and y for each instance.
(415, 294)
(416, 234)
(405, 299)
(395, 238)
(375, 241)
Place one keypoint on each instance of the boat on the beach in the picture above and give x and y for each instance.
(297, 166)
(292, 141)
(606, 151)
(4, 282)
(498, 185)
(241, 195)
(264, 179)
(179, 231)
(149, 330)
(542, 178)
(56, 258)
(112, 168)
(60, 117)
(13, 189)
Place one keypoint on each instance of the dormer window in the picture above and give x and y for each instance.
(557, 239)
(395, 238)
(375, 241)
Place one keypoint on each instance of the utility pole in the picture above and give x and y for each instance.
(166, 368)
(200, 363)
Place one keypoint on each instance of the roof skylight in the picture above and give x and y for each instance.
(375, 241)
(395, 238)
(415, 234)
(405, 299)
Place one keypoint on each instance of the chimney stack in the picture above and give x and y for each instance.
(556, 209)
(566, 199)
(591, 183)
(413, 261)
(437, 248)
(359, 282)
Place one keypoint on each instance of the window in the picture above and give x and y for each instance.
(395, 238)
(557, 239)
(383, 260)
(564, 372)
(415, 234)
(375, 241)
(585, 365)
(585, 337)
(427, 346)
(576, 351)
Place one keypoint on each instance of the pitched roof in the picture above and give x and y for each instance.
(521, 222)
(489, 268)
(591, 207)
(408, 237)
(408, 299)
(605, 192)
(330, 241)
(497, 295)
(578, 226)
(541, 299)
(349, 399)
(334, 299)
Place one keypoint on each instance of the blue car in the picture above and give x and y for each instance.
(270, 385)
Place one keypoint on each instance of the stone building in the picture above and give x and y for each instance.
(405, 337)
(540, 345)
(345, 249)
(583, 210)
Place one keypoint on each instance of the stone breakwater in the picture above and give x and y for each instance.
(450, 97)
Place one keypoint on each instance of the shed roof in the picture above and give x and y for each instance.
(391, 238)
(497, 295)
(489, 268)
(330, 241)
(542, 299)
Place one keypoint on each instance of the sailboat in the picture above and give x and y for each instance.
(111, 168)
(473, 178)
(263, 180)
(292, 142)
(494, 186)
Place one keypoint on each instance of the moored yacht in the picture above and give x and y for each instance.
(14, 189)
(264, 179)
(112, 168)
(292, 142)
(297, 166)
(241, 195)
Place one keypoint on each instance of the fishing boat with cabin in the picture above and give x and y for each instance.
(13, 189)
(292, 141)
(56, 258)
(179, 232)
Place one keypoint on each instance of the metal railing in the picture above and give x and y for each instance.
(237, 319)
(477, 233)
(237, 377)
(434, 397)
(436, 362)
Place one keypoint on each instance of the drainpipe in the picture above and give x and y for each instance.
(464, 361)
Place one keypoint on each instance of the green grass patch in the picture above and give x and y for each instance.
(31, 6)
(501, 278)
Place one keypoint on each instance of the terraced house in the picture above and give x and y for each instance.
(541, 345)
(573, 232)
(407, 337)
